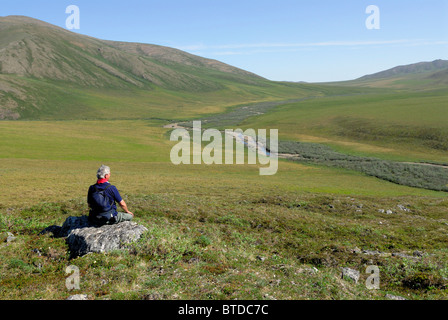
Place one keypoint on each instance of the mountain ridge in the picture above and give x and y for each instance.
(47, 71)
(33, 48)
(414, 68)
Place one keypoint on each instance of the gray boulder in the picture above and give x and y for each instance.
(351, 274)
(392, 297)
(106, 238)
(78, 297)
(74, 223)
(83, 237)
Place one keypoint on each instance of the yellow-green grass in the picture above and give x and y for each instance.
(222, 232)
(84, 140)
(405, 126)
(215, 232)
(160, 103)
(47, 157)
(29, 182)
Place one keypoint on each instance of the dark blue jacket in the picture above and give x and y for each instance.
(111, 192)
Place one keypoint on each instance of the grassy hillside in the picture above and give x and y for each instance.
(47, 72)
(416, 68)
(417, 76)
(406, 126)
(33, 48)
(379, 132)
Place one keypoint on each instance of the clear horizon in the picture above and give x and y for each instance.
(285, 40)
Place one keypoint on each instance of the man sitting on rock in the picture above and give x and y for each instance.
(102, 198)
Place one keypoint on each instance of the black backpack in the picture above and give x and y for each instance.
(100, 202)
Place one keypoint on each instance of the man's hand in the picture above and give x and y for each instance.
(125, 207)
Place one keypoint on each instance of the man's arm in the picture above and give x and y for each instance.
(125, 207)
(88, 199)
(120, 201)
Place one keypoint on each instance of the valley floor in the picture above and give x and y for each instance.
(215, 232)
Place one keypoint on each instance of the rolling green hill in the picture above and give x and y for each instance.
(416, 68)
(32, 48)
(47, 72)
(421, 75)
(403, 119)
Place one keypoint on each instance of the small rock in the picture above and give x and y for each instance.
(402, 255)
(78, 297)
(356, 250)
(392, 297)
(10, 237)
(193, 260)
(381, 210)
(418, 254)
(261, 258)
(389, 212)
(308, 271)
(403, 208)
(371, 252)
(351, 274)
(275, 282)
(153, 296)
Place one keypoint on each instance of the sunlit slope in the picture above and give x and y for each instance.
(398, 125)
(47, 72)
(420, 76)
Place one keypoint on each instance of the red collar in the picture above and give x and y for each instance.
(100, 181)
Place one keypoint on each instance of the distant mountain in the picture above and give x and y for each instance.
(440, 76)
(416, 68)
(47, 71)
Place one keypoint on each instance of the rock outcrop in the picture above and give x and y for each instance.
(82, 237)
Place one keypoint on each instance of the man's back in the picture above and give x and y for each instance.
(110, 191)
(102, 199)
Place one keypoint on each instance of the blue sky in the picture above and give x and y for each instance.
(284, 40)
